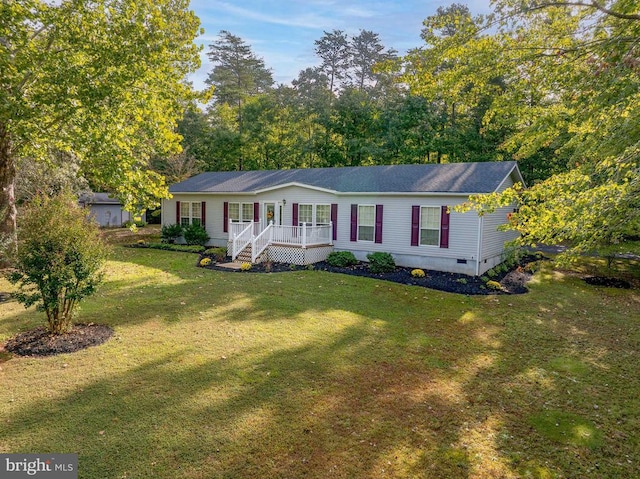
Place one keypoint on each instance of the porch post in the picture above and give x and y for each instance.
(304, 235)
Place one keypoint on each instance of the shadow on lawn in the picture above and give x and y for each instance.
(444, 387)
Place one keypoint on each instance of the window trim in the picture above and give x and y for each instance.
(241, 218)
(313, 208)
(315, 214)
(372, 226)
(189, 205)
(438, 229)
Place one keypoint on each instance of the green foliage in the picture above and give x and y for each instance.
(137, 223)
(195, 235)
(169, 233)
(59, 259)
(219, 253)
(462, 280)
(381, 263)
(102, 81)
(492, 273)
(341, 259)
(177, 247)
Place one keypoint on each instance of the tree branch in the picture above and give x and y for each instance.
(592, 4)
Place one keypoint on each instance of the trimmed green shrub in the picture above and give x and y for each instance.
(195, 235)
(170, 233)
(219, 253)
(138, 223)
(462, 280)
(59, 258)
(381, 263)
(177, 247)
(341, 259)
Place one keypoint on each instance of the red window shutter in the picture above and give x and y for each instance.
(444, 227)
(378, 231)
(177, 212)
(203, 213)
(415, 225)
(256, 212)
(354, 222)
(225, 217)
(334, 220)
(294, 220)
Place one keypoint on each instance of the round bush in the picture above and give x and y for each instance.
(381, 263)
(341, 259)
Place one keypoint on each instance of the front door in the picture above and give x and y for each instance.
(270, 213)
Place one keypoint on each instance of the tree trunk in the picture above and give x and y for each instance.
(8, 212)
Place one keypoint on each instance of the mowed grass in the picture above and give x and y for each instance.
(312, 374)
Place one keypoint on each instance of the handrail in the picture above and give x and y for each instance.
(241, 240)
(260, 242)
(305, 235)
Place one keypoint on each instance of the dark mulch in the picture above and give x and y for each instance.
(608, 282)
(38, 342)
(512, 282)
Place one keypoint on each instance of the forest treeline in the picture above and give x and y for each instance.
(354, 108)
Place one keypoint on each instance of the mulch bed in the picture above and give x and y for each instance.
(512, 282)
(608, 282)
(38, 342)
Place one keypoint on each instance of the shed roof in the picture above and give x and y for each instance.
(461, 178)
(99, 199)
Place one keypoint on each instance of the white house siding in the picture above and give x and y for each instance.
(396, 233)
(460, 257)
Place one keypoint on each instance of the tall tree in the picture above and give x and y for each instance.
(237, 74)
(572, 80)
(333, 49)
(101, 79)
(366, 52)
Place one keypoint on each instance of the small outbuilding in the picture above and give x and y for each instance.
(105, 209)
(299, 216)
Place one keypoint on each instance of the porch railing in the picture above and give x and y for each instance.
(260, 242)
(243, 234)
(303, 236)
(242, 239)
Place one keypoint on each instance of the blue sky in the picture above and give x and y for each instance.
(282, 32)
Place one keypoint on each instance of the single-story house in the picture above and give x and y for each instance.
(299, 216)
(105, 209)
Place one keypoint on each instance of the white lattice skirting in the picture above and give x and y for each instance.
(297, 255)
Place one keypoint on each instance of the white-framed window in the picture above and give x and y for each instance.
(430, 225)
(247, 212)
(234, 212)
(190, 213)
(241, 212)
(366, 222)
(323, 215)
(305, 214)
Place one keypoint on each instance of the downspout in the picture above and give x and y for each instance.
(480, 227)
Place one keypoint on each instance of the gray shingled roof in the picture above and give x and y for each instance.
(429, 178)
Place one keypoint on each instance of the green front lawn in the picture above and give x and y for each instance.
(313, 374)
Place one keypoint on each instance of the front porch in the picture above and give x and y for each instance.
(300, 245)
